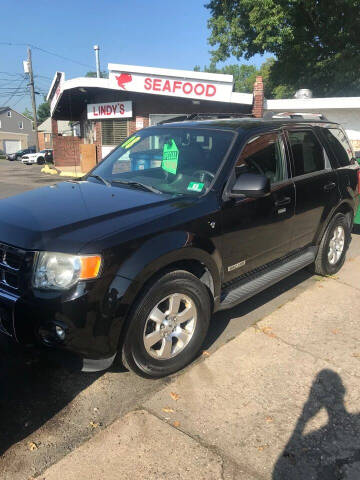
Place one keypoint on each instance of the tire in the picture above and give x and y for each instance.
(323, 265)
(154, 361)
(40, 161)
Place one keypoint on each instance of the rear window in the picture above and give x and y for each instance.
(307, 152)
(339, 145)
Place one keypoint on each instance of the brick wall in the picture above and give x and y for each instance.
(98, 141)
(132, 123)
(258, 106)
(66, 149)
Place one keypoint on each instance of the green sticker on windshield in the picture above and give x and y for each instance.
(195, 187)
(130, 142)
(170, 157)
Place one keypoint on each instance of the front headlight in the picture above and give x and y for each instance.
(60, 271)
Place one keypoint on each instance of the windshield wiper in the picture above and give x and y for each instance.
(103, 180)
(149, 188)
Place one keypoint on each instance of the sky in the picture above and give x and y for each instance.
(157, 33)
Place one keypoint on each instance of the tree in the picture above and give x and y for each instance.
(28, 114)
(316, 43)
(245, 76)
(43, 112)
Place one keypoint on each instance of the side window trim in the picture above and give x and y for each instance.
(288, 129)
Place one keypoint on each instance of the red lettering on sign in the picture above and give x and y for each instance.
(210, 90)
(147, 85)
(176, 85)
(122, 108)
(202, 89)
(167, 86)
(113, 108)
(187, 88)
(157, 85)
(94, 112)
(102, 110)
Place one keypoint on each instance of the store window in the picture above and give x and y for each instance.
(114, 131)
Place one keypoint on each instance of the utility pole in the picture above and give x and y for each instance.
(97, 48)
(32, 93)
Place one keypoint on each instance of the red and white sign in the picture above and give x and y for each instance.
(57, 85)
(99, 111)
(195, 85)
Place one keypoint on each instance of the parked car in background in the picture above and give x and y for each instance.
(39, 157)
(20, 153)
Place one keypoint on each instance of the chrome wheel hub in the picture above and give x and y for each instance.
(170, 326)
(336, 245)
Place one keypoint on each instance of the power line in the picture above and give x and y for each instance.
(11, 96)
(34, 47)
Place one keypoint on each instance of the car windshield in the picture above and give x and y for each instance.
(166, 160)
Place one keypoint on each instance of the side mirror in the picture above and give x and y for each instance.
(251, 185)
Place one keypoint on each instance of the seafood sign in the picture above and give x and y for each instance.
(172, 85)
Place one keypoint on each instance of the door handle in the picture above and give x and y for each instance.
(329, 186)
(282, 202)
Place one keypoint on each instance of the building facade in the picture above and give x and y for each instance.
(16, 131)
(110, 109)
(133, 97)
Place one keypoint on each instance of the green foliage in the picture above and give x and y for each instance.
(316, 43)
(43, 112)
(103, 74)
(28, 114)
(245, 76)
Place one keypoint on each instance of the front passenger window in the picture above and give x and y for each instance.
(265, 155)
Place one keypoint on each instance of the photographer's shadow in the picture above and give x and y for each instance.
(331, 452)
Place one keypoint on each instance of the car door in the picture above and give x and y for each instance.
(257, 231)
(316, 184)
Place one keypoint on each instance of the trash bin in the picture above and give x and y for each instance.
(143, 161)
(357, 216)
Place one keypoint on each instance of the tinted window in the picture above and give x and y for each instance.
(172, 160)
(340, 145)
(264, 154)
(307, 152)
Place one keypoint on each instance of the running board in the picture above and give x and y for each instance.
(257, 282)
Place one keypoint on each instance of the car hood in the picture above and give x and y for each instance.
(67, 216)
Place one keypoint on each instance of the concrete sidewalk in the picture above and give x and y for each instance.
(279, 402)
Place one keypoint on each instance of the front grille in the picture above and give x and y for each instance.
(11, 263)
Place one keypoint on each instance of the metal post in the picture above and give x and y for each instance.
(97, 48)
(32, 93)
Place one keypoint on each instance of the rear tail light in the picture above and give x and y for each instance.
(358, 178)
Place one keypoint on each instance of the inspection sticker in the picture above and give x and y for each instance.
(195, 187)
(130, 142)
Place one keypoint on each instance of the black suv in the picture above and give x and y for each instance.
(181, 220)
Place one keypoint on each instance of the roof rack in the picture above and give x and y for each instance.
(205, 116)
(295, 115)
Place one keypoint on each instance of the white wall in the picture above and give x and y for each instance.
(105, 150)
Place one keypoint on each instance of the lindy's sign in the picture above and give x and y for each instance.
(98, 111)
(149, 81)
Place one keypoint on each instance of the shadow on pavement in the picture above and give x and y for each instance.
(331, 452)
(221, 319)
(33, 389)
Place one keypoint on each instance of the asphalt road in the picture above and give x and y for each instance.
(46, 411)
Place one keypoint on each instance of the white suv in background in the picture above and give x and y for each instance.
(39, 157)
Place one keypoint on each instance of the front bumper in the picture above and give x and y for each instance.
(91, 314)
